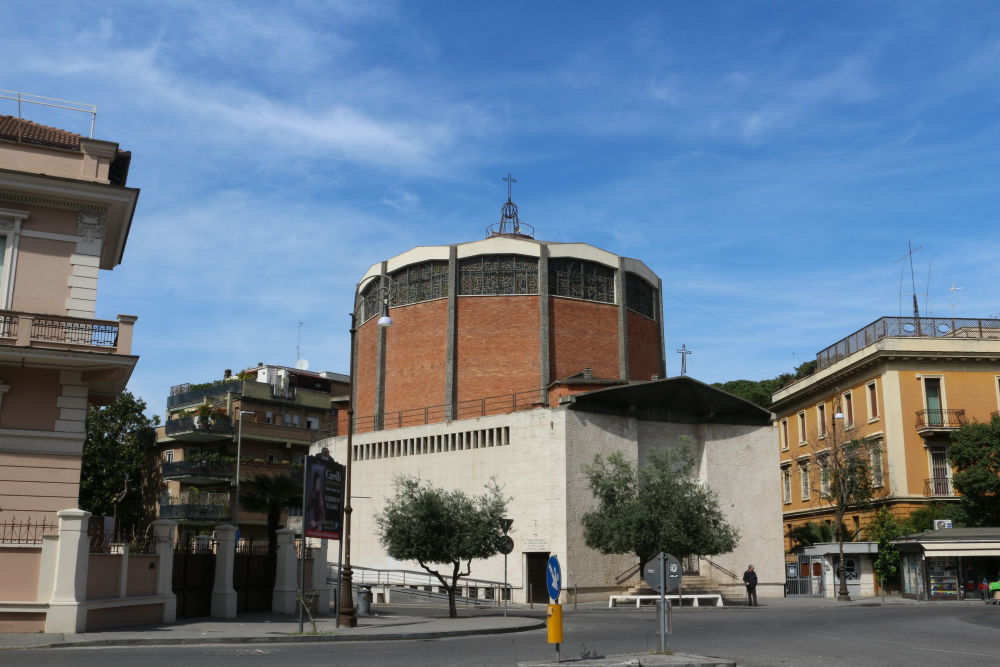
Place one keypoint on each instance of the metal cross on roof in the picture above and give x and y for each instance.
(510, 179)
(684, 352)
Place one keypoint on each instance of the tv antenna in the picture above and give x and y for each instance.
(301, 364)
(952, 294)
(913, 282)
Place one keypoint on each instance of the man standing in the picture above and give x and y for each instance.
(750, 579)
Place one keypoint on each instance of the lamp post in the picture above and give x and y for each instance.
(842, 594)
(239, 447)
(347, 615)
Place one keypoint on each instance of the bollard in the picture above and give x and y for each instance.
(554, 623)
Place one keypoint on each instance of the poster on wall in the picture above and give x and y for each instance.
(324, 497)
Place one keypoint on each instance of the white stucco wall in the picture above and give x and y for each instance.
(539, 464)
(529, 469)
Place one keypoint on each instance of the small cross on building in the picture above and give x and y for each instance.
(684, 352)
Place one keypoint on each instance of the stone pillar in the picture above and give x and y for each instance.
(223, 593)
(67, 608)
(163, 533)
(319, 584)
(286, 574)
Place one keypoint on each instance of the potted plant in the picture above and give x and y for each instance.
(201, 415)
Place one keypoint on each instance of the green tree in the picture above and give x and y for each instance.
(883, 529)
(922, 519)
(975, 455)
(656, 507)
(121, 444)
(432, 526)
(815, 532)
(271, 494)
(760, 391)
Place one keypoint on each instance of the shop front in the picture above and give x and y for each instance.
(950, 563)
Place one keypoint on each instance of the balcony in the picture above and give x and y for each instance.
(198, 472)
(938, 486)
(939, 421)
(56, 332)
(199, 429)
(295, 435)
(908, 327)
(197, 507)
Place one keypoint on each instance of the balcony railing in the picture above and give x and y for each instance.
(196, 468)
(197, 507)
(199, 425)
(908, 327)
(478, 407)
(189, 397)
(928, 420)
(55, 331)
(938, 486)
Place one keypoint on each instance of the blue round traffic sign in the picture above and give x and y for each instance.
(553, 578)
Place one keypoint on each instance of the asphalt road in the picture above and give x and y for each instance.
(912, 636)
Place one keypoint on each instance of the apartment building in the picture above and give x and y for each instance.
(264, 417)
(903, 384)
(65, 214)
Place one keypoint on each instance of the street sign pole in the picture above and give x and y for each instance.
(663, 603)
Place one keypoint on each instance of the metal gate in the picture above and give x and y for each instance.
(194, 577)
(253, 576)
(805, 577)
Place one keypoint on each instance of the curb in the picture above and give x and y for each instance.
(281, 639)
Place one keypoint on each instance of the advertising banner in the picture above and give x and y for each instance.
(324, 509)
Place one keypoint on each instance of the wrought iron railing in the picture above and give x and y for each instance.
(478, 407)
(940, 419)
(25, 532)
(197, 506)
(99, 333)
(908, 327)
(938, 486)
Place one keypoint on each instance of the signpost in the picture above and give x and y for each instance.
(508, 546)
(663, 574)
(553, 584)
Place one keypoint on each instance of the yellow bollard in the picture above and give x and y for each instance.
(555, 623)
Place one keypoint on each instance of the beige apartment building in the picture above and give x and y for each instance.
(65, 214)
(903, 384)
(283, 411)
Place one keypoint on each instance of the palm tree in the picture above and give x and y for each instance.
(271, 494)
(815, 532)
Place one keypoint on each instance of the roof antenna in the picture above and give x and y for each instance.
(301, 364)
(913, 281)
(951, 302)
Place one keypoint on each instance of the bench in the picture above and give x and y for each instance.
(715, 598)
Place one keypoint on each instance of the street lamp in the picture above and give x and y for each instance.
(842, 594)
(239, 447)
(347, 616)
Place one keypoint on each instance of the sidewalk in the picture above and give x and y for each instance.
(281, 628)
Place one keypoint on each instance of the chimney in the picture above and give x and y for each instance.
(654, 376)
(588, 373)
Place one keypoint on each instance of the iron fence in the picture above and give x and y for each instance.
(941, 418)
(104, 539)
(938, 486)
(908, 327)
(26, 532)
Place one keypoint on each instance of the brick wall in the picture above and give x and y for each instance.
(643, 346)
(583, 333)
(416, 356)
(497, 347)
(365, 369)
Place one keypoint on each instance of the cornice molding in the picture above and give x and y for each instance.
(54, 202)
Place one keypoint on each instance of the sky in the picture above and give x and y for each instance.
(770, 161)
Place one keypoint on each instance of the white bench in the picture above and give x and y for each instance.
(715, 598)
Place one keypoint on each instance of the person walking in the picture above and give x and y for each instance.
(750, 579)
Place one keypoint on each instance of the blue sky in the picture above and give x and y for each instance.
(769, 160)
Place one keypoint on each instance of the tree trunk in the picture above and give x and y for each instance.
(452, 609)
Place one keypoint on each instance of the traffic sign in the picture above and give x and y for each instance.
(553, 578)
(505, 525)
(654, 576)
(507, 546)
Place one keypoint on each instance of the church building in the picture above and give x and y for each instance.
(515, 359)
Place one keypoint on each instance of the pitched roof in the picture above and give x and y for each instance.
(18, 129)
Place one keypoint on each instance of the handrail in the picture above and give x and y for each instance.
(401, 579)
(719, 567)
(629, 573)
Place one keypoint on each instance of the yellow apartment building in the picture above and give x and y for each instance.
(903, 384)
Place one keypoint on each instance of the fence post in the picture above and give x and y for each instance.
(285, 571)
(223, 593)
(163, 533)
(68, 608)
